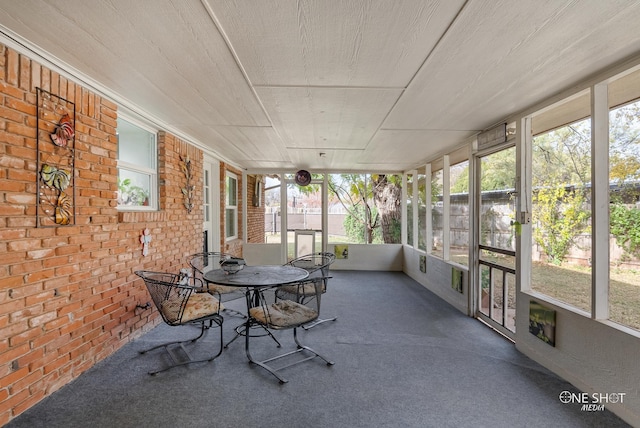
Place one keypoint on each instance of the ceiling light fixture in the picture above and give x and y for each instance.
(302, 178)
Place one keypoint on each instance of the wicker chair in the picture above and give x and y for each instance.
(182, 300)
(204, 262)
(281, 308)
(317, 264)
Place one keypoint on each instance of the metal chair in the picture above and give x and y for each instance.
(204, 262)
(281, 308)
(182, 300)
(317, 264)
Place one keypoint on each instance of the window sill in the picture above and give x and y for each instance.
(139, 216)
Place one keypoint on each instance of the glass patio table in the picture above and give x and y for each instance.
(252, 278)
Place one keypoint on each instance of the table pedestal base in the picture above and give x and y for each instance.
(241, 330)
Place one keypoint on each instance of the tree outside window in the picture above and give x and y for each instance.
(624, 214)
(561, 177)
(371, 205)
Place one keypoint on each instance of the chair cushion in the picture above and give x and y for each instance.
(284, 313)
(308, 289)
(224, 289)
(199, 305)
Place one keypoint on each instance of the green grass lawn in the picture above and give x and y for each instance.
(572, 285)
(569, 284)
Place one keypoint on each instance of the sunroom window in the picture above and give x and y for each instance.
(231, 206)
(137, 167)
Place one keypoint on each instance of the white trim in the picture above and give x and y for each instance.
(403, 210)
(600, 201)
(227, 206)
(284, 234)
(245, 206)
(446, 207)
(213, 166)
(524, 241)
(140, 122)
(429, 220)
(325, 212)
(414, 206)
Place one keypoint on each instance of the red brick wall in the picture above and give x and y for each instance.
(255, 215)
(68, 294)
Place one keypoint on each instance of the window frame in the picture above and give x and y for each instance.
(150, 172)
(437, 167)
(228, 207)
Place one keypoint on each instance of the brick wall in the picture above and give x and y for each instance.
(68, 294)
(255, 214)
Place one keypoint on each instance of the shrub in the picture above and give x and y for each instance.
(625, 227)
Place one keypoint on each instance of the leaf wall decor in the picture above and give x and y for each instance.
(187, 190)
(55, 146)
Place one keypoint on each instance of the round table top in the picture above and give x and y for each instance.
(257, 276)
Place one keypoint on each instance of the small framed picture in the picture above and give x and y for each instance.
(456, 279)
(342, 251)
(542, 322)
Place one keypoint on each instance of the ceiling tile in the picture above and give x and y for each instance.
(261, 146)
(165, 57)
(396, 146)
(504, 56)
(312, 117)
(369, 43)
(371, 83)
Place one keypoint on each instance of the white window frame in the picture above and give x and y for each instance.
(229, 207)
(152, 172)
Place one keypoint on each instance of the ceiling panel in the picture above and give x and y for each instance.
(168, 57)
(391, 147)
(322, 118)
(334, 43)
(260, 146)
(374, 84)
(326, 159)
(504, 56)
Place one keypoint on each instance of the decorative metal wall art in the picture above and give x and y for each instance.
(188, 188)
(55, 161)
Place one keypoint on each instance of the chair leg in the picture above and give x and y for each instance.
(262, 363)
(179, 342)
(275, 371)
(172, 347)
(301, 346)
(234, 313)
(318, 322)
